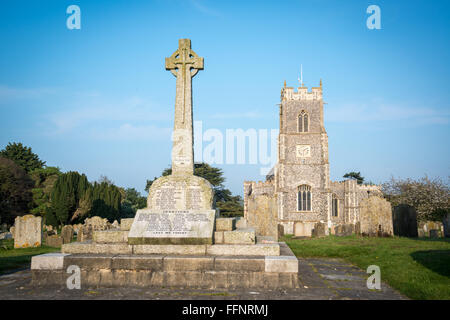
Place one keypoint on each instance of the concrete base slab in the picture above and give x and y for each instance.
(48, 261)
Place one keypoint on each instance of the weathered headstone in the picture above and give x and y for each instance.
(320, 230)
(12, 230)
(5, 235)
(54, 241)
(98, 223)
(404, 219)
(67, 234)
(179, 206)
(115, 225)
(343, 230)
(446, 223)
(426, 226)
(28, 231)
(375, 215)
(434, 233)
(85, 233)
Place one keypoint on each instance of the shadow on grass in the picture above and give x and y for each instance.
(435, 260)
(14, 262)
(427, 239)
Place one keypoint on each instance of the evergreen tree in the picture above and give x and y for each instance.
(68, 190)
(106, 199)
(132, 201)
(354, 175)
(44, 180)
(15, 191)
(22, 156)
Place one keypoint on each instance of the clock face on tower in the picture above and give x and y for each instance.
(303, 151)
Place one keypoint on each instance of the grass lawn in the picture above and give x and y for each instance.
(417, 267)
(11, 258)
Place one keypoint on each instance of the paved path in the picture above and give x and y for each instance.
(321, 279)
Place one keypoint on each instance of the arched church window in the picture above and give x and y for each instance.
(304, 198)
(303, 122)
(334, 206)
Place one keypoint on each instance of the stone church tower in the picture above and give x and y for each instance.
(302, 172)
(298, 194)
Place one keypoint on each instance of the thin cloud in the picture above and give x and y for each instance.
(133, 109)
(131, 132)
(352, 113)
(10, 93)
(203, 9)
(249, 115)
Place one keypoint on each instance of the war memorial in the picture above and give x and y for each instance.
(179, 239)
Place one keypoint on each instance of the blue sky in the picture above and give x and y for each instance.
(99, 101)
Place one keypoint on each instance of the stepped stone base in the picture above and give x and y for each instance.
(110, 236)
(239, 236)
(168, 270)
(89, 247)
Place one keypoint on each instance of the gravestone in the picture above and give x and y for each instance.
(343, 230)
(446, 223)
(85, 233)
(375, 216)
(404, 220)
(98, 223)
(54, 241)
(434, 233)
(426, 226)
(115, 224)
(28, 231)
(12, 230)
(179, 206)
(320, 230)
(67, 234)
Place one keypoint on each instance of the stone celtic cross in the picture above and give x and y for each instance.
(184, 65)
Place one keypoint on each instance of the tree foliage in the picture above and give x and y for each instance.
(430, 197)
(15, 191)
(69, 188)
(44, 180)
(354, 175)
(132, 201)
(106, 199)
(22, 156)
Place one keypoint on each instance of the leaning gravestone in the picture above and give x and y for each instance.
(67, 234)
(179, 206)
(404, 220)
(28, 231)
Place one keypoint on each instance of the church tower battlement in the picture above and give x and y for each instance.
(302, 93)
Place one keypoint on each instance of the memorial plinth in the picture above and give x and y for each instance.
(172, 227)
